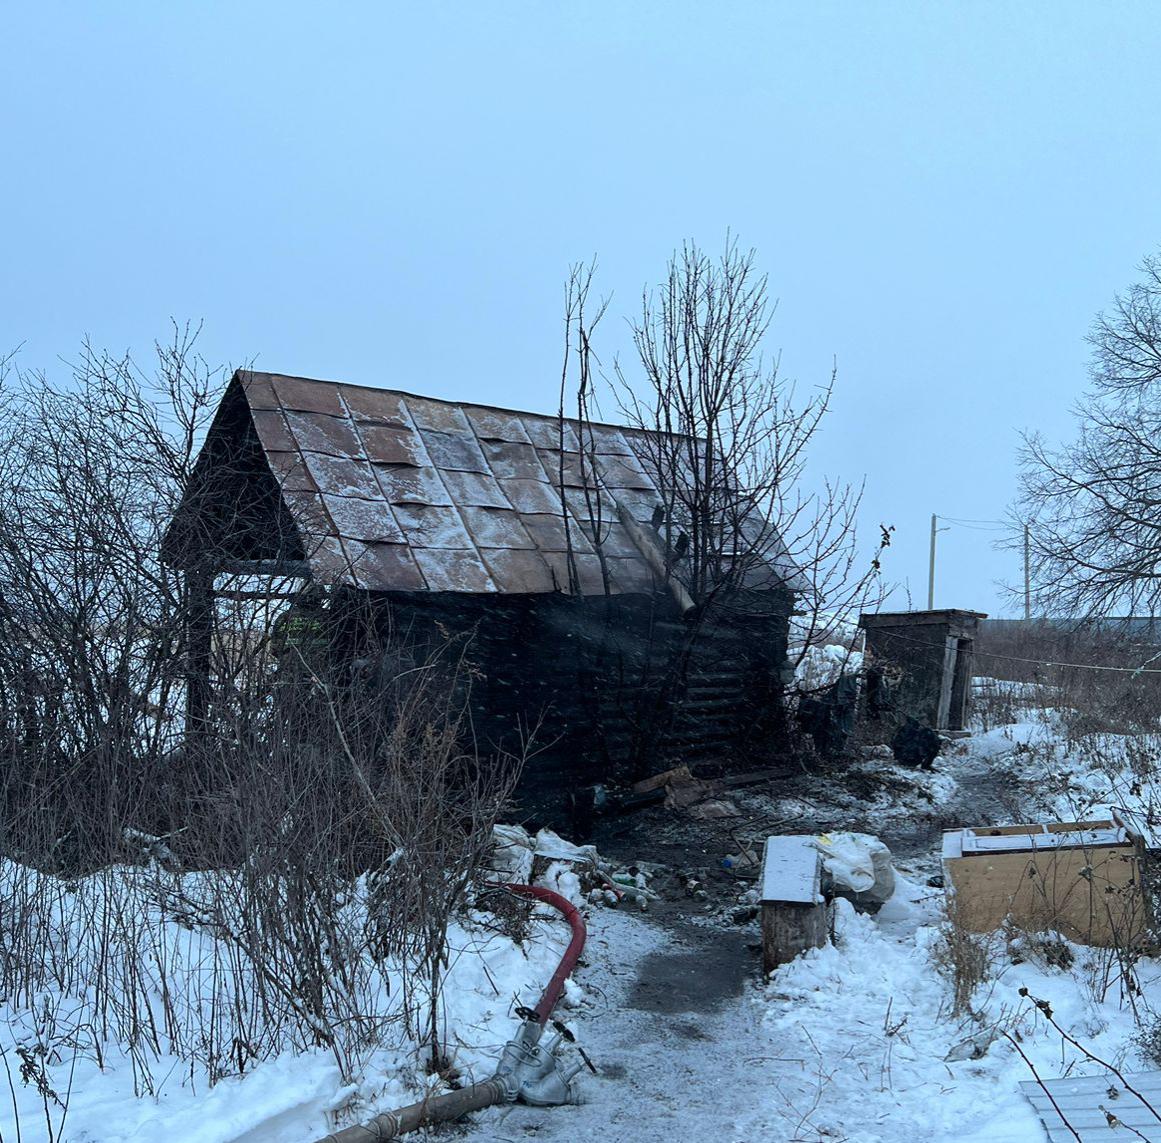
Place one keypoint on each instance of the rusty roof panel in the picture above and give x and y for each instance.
(389, 444)
(545, 432)
(605, 440)
(586, 505)
(272, 430)
(259, 391)
(576, 469)
(291, 472)
(439, 416)
(588, 571)
(630, 576)
(615, 539)
(639, 503)
(518, 571)
(496, 528)
(447, 450)
(306, 396)
(475, 489)
(532, 495)
(512, 460)
(309, 514)
(377, 564)
(548, 533)
(369, 520)
(342, 475)
(375, 406)
(403, 484)
(429, 526)
(624, 472)
(496, 425)
(423, 491)
(450, 570)
(316, 432)
(328, 560)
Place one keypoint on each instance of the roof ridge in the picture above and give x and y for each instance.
(241, 374)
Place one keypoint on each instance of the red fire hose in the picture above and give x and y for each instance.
(443, 1108)
(576, 922)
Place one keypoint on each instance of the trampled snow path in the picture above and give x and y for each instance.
(671, 1056)
(847, 1043)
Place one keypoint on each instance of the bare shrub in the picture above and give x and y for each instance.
(279, 873)
(965, 958)
(1098, 676)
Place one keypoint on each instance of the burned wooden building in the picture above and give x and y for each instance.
(539, 540)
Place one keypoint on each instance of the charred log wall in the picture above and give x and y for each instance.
(610, 688)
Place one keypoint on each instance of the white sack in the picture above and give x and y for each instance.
(858, 863)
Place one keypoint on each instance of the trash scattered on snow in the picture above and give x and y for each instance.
(973, 1048)
(549, 844)
(576, 872)
(746, 862)
(511, 854)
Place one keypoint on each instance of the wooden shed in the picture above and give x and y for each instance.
(545, 542)
(919, 665)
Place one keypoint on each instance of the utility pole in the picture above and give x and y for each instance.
(931, 568)
(931, 564)
(1027, 574)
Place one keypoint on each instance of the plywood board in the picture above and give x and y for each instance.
(1090, 894)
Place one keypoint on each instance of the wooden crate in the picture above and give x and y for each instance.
(1081, 879)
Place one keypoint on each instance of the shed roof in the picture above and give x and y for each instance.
(943, 616)
(1109, 1106)
(399, 492)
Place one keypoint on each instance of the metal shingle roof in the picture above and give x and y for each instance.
(401, 492)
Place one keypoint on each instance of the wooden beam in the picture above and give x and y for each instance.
(299, 569)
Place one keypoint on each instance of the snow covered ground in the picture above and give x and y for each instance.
(856, 1041)
(852, 1042)
(64, 1083)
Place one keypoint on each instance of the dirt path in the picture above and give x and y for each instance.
(669, 1011)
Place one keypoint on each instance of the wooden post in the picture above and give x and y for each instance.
(199, 633)
(943, 710)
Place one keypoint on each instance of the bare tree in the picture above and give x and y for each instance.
(89, 472)
(1090, 508)
(729, 437)
(737, 538)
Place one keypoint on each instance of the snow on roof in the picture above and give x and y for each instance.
(1098, 1107)
(1034, 836)
(401, 492)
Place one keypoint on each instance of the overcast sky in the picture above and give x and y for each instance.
(943, 194)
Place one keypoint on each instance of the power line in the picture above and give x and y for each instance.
(977, 525)
(1035, 662)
